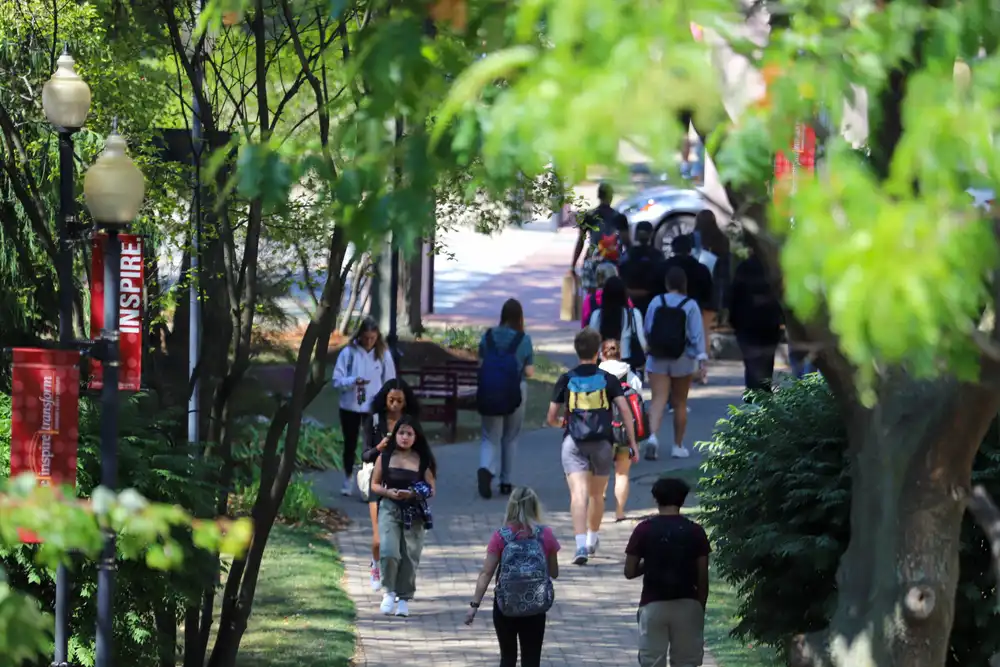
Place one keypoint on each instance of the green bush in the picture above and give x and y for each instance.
(776, 496)
(160, 468)
(299, 505)
(457, 338)
(320, 448)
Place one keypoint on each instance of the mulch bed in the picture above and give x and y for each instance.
(331, 520)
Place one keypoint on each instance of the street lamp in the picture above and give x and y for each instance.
(113, 189)
(66, 102)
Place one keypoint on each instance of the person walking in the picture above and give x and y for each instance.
(593, 301)
(676, 353)
(670, 552)
(712, 250)
(624, 456)
(523, 556)
(756, 317)
(404, 477)
(363, 364)
(604, 231)
(393, 400)
(617, 320)
(581, 404)
(506, 362)
(642, 268)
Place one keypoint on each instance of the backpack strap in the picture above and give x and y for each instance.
(681, 304)
(491, 346)
(350, 360)
(516, 342)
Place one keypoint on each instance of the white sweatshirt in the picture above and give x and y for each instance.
(622, 371)
(355, 362)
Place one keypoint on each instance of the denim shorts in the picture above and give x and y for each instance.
(675, 368)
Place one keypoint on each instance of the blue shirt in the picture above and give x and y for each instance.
(503, 336)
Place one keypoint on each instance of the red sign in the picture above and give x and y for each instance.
(44, 417)
(802, 159)
(130, 310)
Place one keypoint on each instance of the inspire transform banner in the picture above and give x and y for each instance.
(45, 413)
(130, 310)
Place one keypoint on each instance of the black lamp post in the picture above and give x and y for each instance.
(113, 189)
(66, 102)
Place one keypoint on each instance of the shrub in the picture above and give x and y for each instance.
(320, 448)
(145, 600)
(299, 505)
(457, 338)
(776, 495)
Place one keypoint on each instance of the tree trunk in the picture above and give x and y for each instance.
(411, 280)
(911, 466)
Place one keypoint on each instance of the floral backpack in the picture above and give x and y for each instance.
(523, 587)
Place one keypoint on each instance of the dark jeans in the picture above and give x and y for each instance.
(758, 363)
(530, 630)
(350, 426)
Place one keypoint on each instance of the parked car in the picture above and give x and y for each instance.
(671, 209)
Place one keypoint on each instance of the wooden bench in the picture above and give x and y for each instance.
(443, 391)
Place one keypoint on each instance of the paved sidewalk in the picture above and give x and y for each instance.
(593, 620)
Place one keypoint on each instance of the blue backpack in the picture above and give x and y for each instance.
(498, 385)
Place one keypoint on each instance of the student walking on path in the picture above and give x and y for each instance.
(595, 299)
(362, 367)
(625, 456)
(523, 556)
(756, 316)
(670, 552)
(393, 400)
(581, 404)
(506, 362)
(605, 233)
(404, 478)
(617, 320)
(676, 353)
(712, 250)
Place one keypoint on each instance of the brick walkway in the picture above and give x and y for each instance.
(593, 620)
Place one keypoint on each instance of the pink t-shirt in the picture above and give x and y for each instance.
(549, 542)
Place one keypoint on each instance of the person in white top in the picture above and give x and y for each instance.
(362, 368)
(612, 363)
(615, 320)
(670, 375)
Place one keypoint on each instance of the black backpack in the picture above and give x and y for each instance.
(668, 334)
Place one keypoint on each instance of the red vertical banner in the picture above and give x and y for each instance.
(45, 413)
(130, 309)
(802, 158)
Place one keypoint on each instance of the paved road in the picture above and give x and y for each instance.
(434, 634)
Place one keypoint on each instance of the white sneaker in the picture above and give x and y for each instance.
(402, 608)
(388, 600)
(348, 488)
(679, 452)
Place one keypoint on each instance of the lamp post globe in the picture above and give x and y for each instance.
(113, 187)
(65, 96)
(962, 74)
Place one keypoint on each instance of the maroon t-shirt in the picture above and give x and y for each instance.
(670, 545)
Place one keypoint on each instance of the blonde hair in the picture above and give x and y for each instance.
(604, 271)
(524, 507)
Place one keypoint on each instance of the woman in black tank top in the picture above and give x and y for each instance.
(404, 479)
(393, 400)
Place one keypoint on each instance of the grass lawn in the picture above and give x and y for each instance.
(301, 616)
(723, 605)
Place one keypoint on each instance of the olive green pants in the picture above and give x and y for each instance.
(400, 550)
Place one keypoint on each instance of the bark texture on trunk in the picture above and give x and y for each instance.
(911, 465)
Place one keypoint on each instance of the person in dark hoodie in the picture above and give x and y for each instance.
(642, 268)
(756, 317)
(699, 278)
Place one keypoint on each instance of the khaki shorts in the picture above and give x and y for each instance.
(671, 633)
(594, 457)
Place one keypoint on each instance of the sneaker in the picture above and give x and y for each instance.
(506, 489)
(592, 549)
(376, 578)
(679, 452)
(402, 609)
(485, 479)
(348, 488)
(651, 453)
(581, 556)
(388, 600)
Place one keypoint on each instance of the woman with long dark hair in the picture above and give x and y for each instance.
(617, 320)
(363, 364)
(394, 400)
(404, 477)
(713, 251)
(500, 433)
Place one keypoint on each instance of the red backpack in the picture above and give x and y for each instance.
(640, 417)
